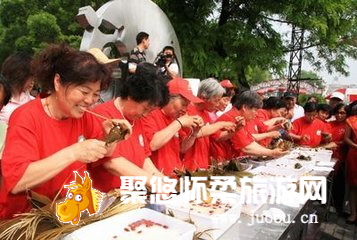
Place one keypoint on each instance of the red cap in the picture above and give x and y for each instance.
(182, 87)
(227, 84)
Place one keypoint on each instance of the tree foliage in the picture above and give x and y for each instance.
(222, 38)
(303, 98)
(28, 25)
(225, 38)
(313, 79)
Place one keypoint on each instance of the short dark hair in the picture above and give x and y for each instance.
(311, 97)
(351, 109)
(17, 70)
(274, 103)
(141, 36)
(75, 67)
(7, 90)
(146, 85)
(324, 107)
(229, 92)
(249, 99)
(169, 48)
(310, 107)
(289, 95)
(338, 107)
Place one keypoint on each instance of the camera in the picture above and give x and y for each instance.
(161, 59)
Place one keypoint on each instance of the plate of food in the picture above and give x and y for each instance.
(214, 216)
(139, 224)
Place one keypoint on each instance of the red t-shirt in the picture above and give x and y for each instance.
(221, 151)
(31, 136)
(313, 130)
(262, 116)
(337, 130)
(241, 139)
(134, 149)
(256, 126)
(167, 158)
(198, 155)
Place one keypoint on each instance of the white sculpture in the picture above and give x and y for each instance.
(122, 20)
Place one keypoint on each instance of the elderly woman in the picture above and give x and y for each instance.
(197, 156)
(241, 141)
(164, 127)
(141, 93)
(225, 103)
(44, 143)
(16, 70)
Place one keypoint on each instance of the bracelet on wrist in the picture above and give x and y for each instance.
(179, 122)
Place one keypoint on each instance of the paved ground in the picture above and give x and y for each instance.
(335, 227)
(331, 227)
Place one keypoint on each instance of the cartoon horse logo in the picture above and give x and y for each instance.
(80, 197)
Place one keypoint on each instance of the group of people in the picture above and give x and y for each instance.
(170, 128)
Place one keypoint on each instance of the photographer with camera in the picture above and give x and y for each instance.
(165, 61)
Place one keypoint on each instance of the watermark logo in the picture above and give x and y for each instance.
(277, 190)
(253, 190)
(80, 197)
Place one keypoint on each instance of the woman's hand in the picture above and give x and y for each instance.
(274, 134)
(191, 121)
(240, 122)
(277, 152)
(228, 126)
(88, 151)
(109, 124)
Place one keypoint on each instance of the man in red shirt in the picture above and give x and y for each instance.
(309, 130)
(163, 127)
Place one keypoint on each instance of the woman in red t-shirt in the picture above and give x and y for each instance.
(351, 163)
(163, 127)
(197, 156)
(337, 129)
(308, 130)
(269, 120)
(139, 94)
(46, 138)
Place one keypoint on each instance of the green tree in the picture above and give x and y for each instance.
(256, 75)
(303, 98)
(28, 25)
(221, 38)
(227, 37)
(313, 79)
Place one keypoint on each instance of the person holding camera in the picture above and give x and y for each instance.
(165, 61)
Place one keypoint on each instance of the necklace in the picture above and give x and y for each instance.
(51, 115)
(117, 104)
(48, 109)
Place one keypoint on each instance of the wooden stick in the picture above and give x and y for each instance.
(96, 114)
